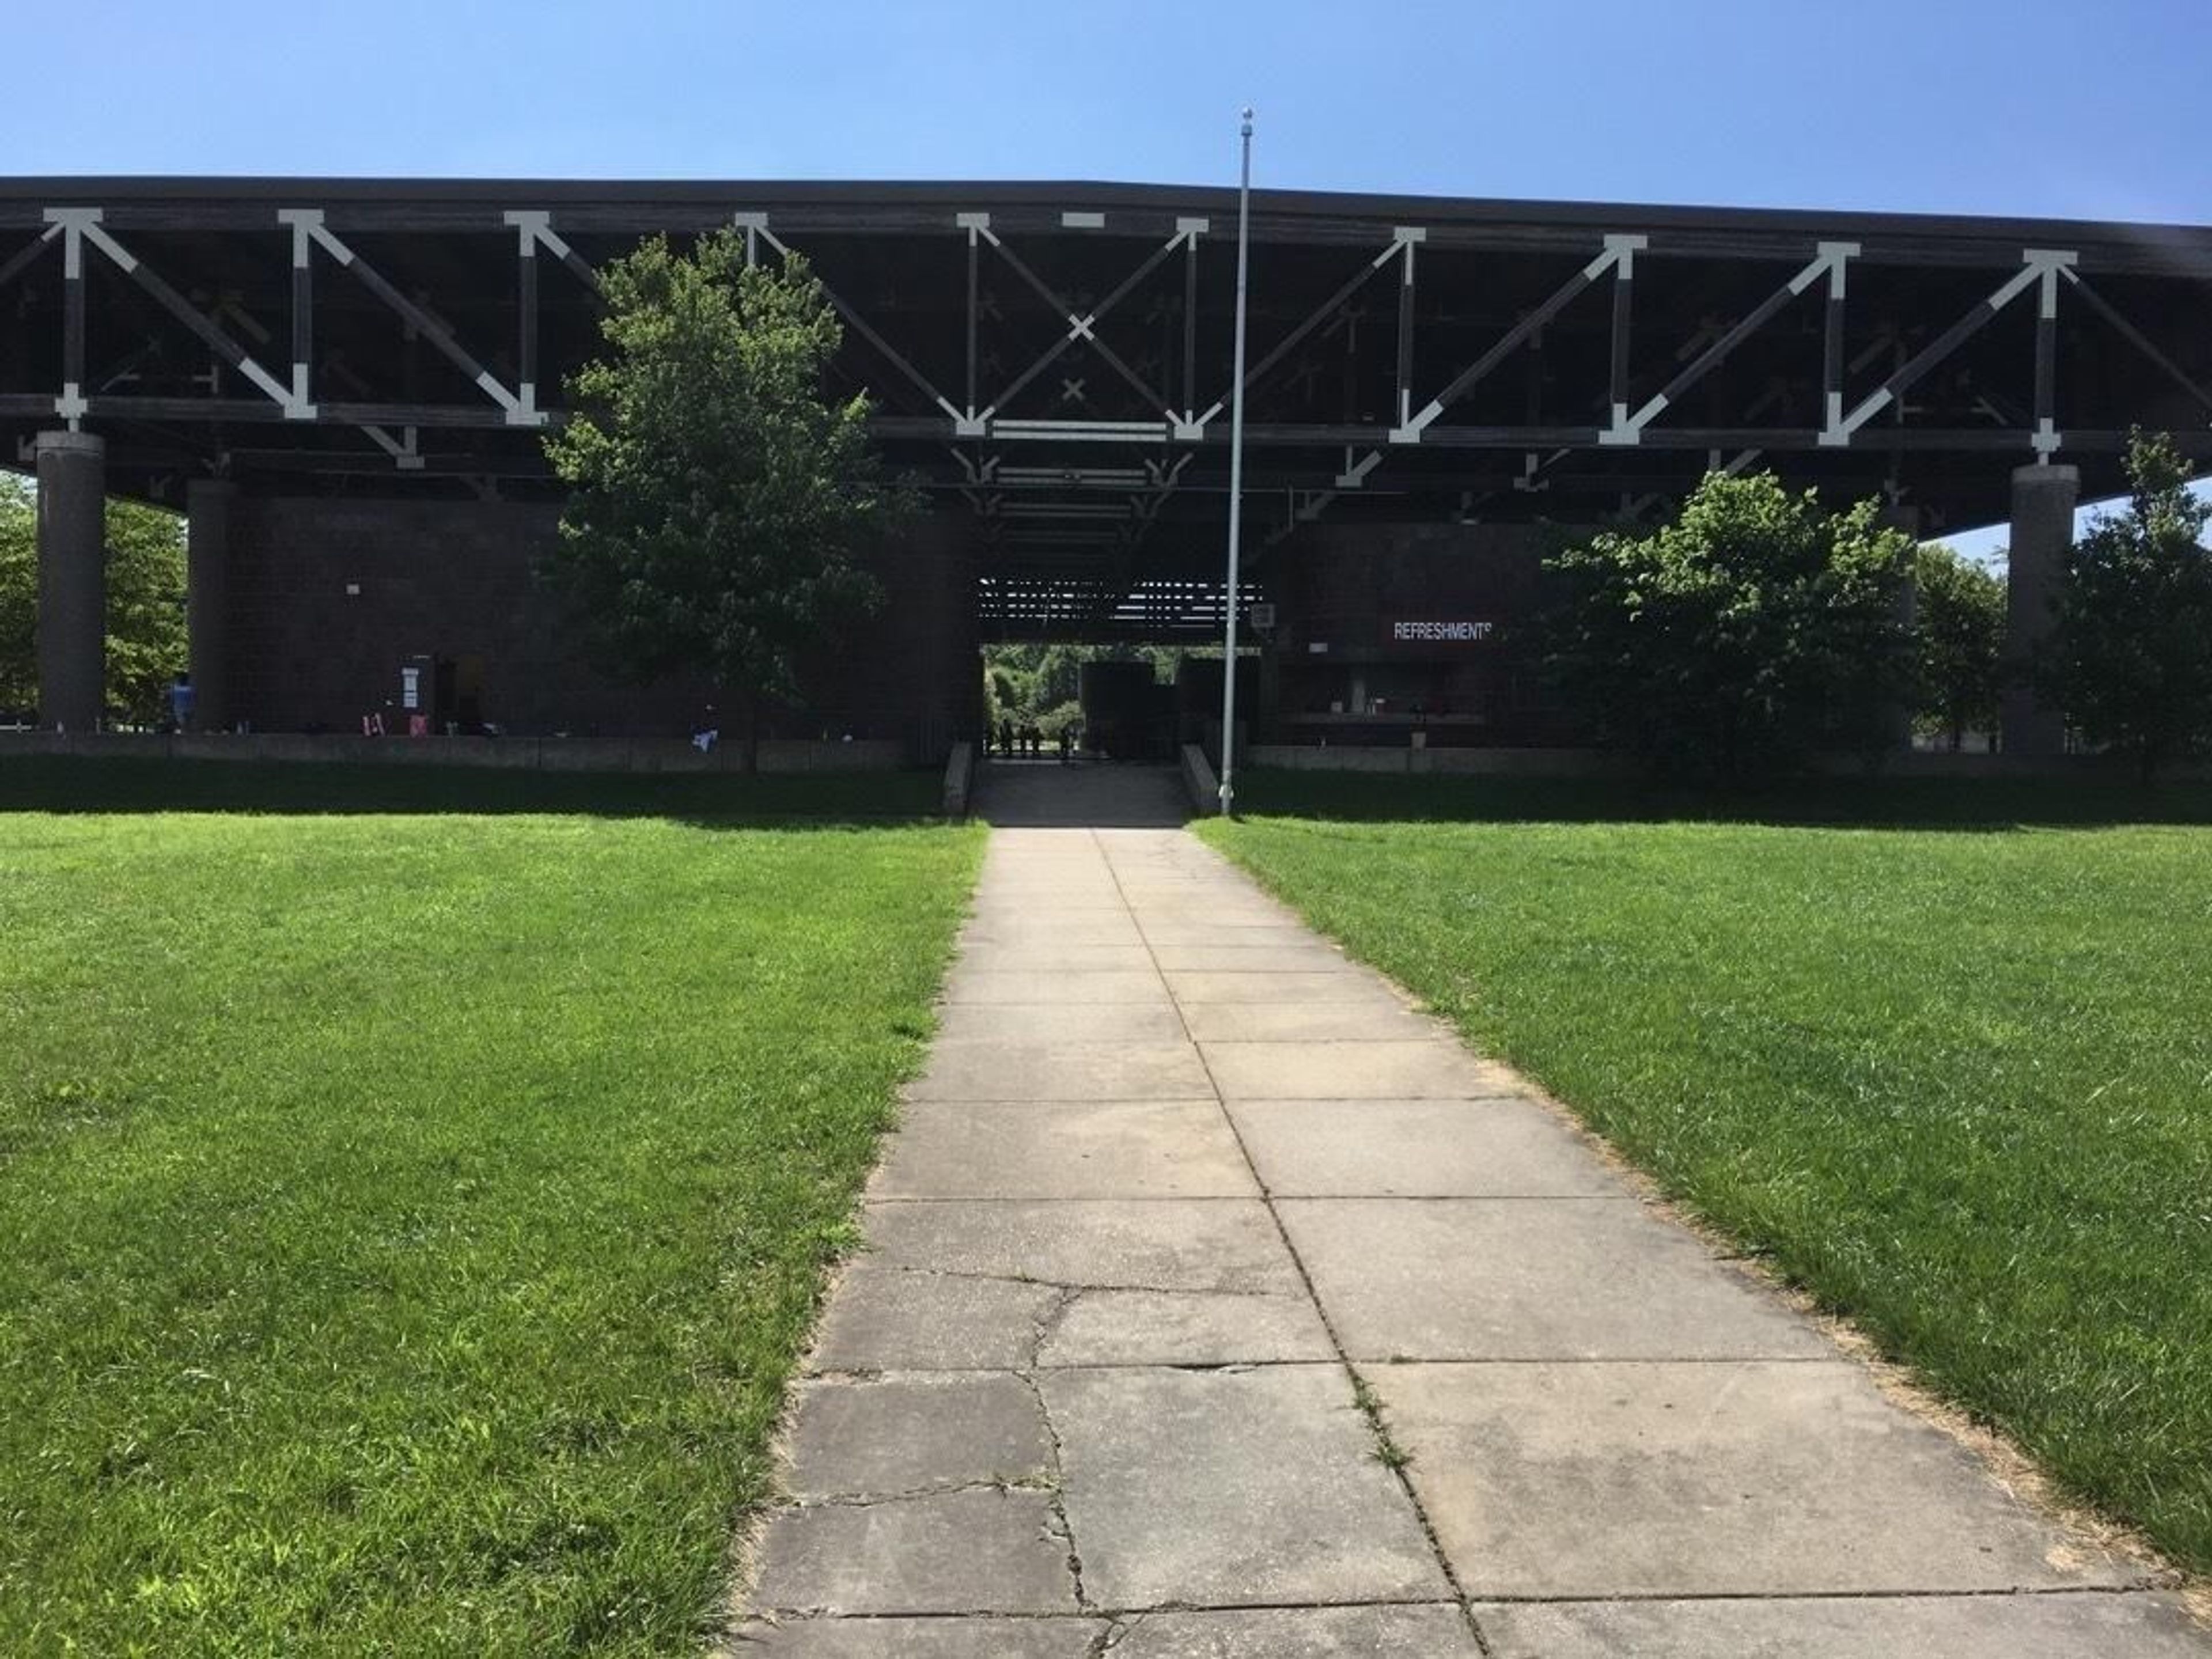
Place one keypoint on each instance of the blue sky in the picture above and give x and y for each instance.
(2028, 106)
(2031, 106)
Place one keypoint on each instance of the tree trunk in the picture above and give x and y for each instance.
(752, 734)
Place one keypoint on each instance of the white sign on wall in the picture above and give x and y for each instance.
(1440, 632)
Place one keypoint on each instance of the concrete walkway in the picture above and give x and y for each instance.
(1217, 1303)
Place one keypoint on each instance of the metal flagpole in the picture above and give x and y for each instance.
(1236, 480)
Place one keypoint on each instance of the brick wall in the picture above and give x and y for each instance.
(454, 579)
(1342, 586)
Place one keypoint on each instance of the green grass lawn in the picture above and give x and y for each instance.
(1955, 1079)
(69, 783)
(407, 1222)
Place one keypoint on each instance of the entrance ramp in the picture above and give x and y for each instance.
(1046, 794)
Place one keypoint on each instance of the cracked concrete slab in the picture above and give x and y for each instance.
(2079, 1626)
(883, 1318)
(1434, 1068)
(1222, 1488)
(961, 1551)
(1531, 1279)
(918, 1639)
(1418, 1149)
(1750, 1478)
(1436, 1632)
(1224, 1245)
(903, 1435)
(1088, 1149)
(1076, 987)
(1061, 1071)
(1160, 1328)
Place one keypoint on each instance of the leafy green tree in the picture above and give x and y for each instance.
(2129, 656)
(146, 639)
(19, 594)
(1035, 684)
(1960, 632)
(717, 496)
(1737, 639)
(1061, 717)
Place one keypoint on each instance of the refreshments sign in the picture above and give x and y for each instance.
(1441, 630)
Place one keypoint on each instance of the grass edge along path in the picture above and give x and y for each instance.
(411, 1222)
(1956, 1084)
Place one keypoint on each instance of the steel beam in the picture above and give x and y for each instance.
(1082, 326)
(756, 224)
(1829, 261)
(425, 325)
(24, 257)
(1624, 306)
(1409, 237)
(974, 310)
(1617, 248)
(303, 316)
(2038, 267)
(82, 226)
(1283, 347)
(2135, 336)
(2046, 364)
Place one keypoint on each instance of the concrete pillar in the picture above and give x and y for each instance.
(207, 606)
(72, 625)
(2043, 502)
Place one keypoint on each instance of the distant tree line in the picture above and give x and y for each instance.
(145, 577)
